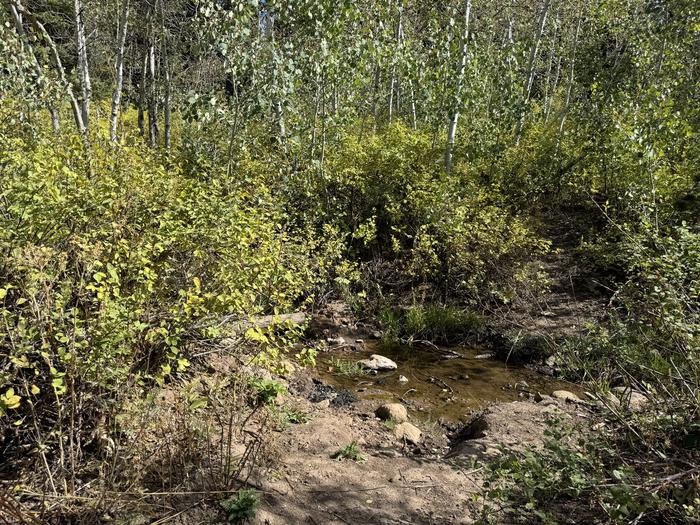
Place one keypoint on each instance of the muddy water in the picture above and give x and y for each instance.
(440, 385)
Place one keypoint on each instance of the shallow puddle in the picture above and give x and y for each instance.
(440, 384)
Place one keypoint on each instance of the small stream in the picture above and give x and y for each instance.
(440, 384)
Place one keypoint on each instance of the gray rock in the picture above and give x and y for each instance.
(631, 399)
(408, 432)
(392, 411)
(336, 341)
(378, 362)
(403, 379)
(566, 396)
(484, 356)
(322, 405)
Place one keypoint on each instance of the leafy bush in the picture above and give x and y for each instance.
(390, 197)
(266, 390)
(113, 264)
(600, 477)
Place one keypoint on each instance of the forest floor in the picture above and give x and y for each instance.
(439, 479)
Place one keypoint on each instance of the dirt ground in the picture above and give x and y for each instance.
(397, 483)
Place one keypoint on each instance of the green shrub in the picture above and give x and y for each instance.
(388, 195)
(266, 390)
(243, 506)
(112, 266)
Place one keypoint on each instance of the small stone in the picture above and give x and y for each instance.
(378, 362)
(550, 361)
(566, 396)
(360, 341)
(408, 432)
(376, 334)
(323, 405)
(484, 356)
(522, 385)
(336, 341)
(403, 379)
(631, 399)
(392, 411)
(538, 397)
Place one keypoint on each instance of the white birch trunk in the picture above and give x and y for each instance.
(119, 70)
(83, 66)
(167, 121)
(452, 126)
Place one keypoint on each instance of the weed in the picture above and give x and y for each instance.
(350, 451)
(241, 507)
(291, 416)
(266, 390)
(389, 424)
(347, 368)
(433, 322)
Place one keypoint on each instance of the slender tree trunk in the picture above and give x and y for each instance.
(166, 78)
(392, 83)
(119, 69)
(452, 126)
(142, 96)
(40, 29)
(550, 87)
(83, 66)
(375, 94)
(569, 88)
(153, 131)
(317, 106)
(553, 92)
(19, 26)
(414, 119)
(530, 75)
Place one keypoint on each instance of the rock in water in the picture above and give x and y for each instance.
(566, 396)
(403, 379)
(378, 362)
(394, 411)
(408, 432)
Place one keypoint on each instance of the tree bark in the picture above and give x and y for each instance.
(153, 131)
(392, 83)
(83, 66)
(452, 126)
(166, 78)
(142, 96)
(119, 67)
